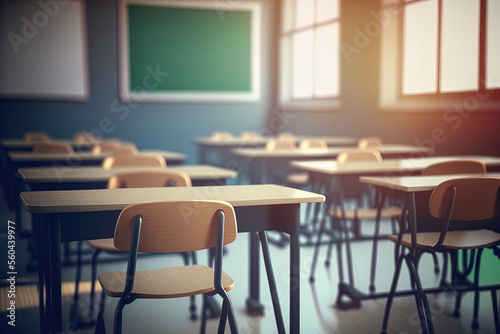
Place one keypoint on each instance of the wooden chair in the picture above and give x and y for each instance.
(114, 146)
(164, 227)
(249, 135)
(53, 147)
(85, 137)
(370, 142)
(280, 144)
(35, 136)
(137, 179)
(134, 160)
(285, 136)
(351, 189)
(221, 135)
(453, 202)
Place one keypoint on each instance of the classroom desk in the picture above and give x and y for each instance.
(219, 151)
(89, 214)
(323, 175)
(260, 160)
(410, 186)
(95, 177)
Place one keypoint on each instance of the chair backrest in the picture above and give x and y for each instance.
(181, 226)
(114, 146)
(285, 136)
(359, 156)
(35, 136)
(85, 137)
(221, 135)
(276, 144)
(464, 166)
(249, 135)
(312, 143)
(140, 179)
(475, 198)
(134, 160)
(53, 147)
(370, 142)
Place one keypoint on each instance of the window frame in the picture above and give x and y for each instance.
(391, 97)
(285, 54)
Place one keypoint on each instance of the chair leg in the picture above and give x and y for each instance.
(100, 328)
(227, 310)
(203, 324)
(390, 297)
(495, 310)
(272, 282)
(117, 326)
(454, 280)
(316, 250)
(421, 299)
(475, 323)
(93, 277)
(222, 319)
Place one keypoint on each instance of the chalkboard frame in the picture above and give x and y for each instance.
(220, 8)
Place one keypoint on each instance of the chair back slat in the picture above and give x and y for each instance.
(312, 143)
(280, 144)
(135, 160)
(143, 179)
(359, 156)
(370, 142)
(476, 199)
(49, 147)
(182, 226)
(463, 166)
(35, 136)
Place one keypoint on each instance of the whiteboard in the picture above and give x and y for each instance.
(43, 50)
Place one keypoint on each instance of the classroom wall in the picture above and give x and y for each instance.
(172, 125)
(169, 126)
(479, 133)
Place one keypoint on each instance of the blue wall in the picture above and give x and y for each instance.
(169, 126)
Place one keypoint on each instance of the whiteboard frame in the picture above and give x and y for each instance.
(253, 95)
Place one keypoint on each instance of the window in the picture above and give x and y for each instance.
(310, 35)
(437, 51)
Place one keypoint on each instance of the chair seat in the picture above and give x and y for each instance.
(103, 244)
(169, 282)
(367, 213)
(454, 240)
(298, 178)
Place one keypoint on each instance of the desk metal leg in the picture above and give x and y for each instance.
(295, 276)
(54, 229)
(41, 290)
(253, 304)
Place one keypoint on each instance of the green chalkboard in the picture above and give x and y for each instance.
(175, 50)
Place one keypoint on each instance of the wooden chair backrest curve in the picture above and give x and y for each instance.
(146, 179)
(53, 147)
(370, 142)
(35, 136)
(476, 198)
(312, 143)
(359, 156)
(465, 166)
(280, 145)
(134, 160)
(181, 226)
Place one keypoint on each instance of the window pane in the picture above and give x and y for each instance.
(460, 45)
(493, 45)
(302, 67)
(304, 13)
(420, 48)
(327, 10)
(327, 61)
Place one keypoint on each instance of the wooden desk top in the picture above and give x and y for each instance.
(416, 183)
(85, 156)
(117, 199)
(99, 174)
(329, 152)
(331, 167)
(13, 143)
